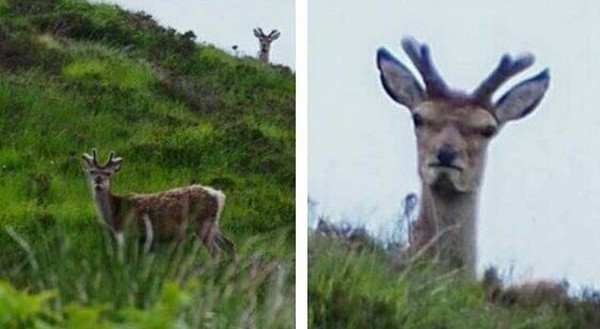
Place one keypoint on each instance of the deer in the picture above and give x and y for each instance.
(264, 41)
(166, 216)
(453, 129)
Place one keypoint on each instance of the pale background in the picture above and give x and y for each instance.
(225, 23)
(539, 205)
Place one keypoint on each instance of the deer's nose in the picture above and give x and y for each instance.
(446, 155)
(98, 180)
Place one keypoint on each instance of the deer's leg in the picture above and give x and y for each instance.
(147, 237)
(208, 235)
(225, 244)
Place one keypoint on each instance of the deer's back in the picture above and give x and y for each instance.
(173, 210)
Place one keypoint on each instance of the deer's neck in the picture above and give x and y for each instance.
(264, 52)
(448, 220)
(108, 206)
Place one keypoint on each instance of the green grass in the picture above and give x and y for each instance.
(366, 288)
(74, 76)
(125, 287)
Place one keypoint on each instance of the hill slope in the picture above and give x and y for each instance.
(74, 76)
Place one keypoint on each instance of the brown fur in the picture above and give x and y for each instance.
(172, 212)
(529, 294)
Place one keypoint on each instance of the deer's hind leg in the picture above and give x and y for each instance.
(225, 244)
(208, 235)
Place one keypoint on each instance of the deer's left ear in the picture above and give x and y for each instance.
(522, 98)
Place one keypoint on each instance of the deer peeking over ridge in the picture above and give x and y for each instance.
(165, 215)
(453, 129)
(265, 40)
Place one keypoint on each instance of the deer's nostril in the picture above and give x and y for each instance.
(446, 155)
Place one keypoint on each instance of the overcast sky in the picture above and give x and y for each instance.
(225, 23)
(539, 204)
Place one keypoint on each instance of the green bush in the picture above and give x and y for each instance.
(24, 7)
(22, 310)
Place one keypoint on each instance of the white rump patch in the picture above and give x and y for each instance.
(220, 196)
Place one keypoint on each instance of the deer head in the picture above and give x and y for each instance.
(453, 128)
(100, 174)
(274, 35)
(265, 42)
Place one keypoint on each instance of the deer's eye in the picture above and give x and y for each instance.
(488, 131)
(417, 120)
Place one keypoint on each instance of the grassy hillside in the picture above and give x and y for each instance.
(355, 285)
(74, 76)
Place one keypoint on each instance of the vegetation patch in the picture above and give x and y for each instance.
(109, 73)
(356, 282)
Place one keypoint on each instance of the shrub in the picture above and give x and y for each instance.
(189, 90)
(22, 310)
(17, 49)
(28, 7)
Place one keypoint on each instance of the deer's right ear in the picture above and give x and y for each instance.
(115, 164)
(523, 98)
(398, 81)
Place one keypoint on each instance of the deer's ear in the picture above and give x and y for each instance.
(399, 83)
(523, 98)
(87, 162)
(116, 164)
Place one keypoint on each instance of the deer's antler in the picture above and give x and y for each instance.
(507, 68)
(421, 57)
(112, 159)
(93, 159)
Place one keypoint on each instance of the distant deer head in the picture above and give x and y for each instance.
(265, 41)
(99, 175)
(453, 130)
(167, 215)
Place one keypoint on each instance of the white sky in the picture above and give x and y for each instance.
(538, 209)
(225, 23)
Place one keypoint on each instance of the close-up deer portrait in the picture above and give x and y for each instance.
(453, 130)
